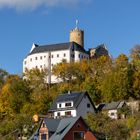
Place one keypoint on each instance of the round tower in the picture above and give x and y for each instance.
(77, 35)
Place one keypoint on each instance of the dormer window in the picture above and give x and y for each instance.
(59, 105)
(68, 104)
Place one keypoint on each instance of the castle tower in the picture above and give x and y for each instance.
(77, 35)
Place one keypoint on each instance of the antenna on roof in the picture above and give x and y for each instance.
(76, 24)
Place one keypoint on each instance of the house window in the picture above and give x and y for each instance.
(44, 56)
(43, 125)
(40, 57)
(78, 135)
(68, 113)
(64, 55)
(88, 105)
(35, 58)
(112, 114)
(58, 113)
(40, 66)
(36, 67)
(43, 136)
(78, 125)
(59, 105)
(67, 104)
(31, 59)
(57, 55)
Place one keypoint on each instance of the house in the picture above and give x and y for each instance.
(112, 108)
(72, 104)
(134, 106)
(73, 128)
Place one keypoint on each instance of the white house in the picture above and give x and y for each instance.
(72, 105)
(112, 108)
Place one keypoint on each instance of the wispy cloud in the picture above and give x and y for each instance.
(34, 4)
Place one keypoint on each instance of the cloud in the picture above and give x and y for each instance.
(34, 4)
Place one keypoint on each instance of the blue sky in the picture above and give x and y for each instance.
(23, 22)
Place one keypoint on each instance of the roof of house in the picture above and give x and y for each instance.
(64, 126)
(57, 47)
(58, 127)
(113, 105)
(76, 97)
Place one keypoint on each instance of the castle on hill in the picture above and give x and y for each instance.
(46, 56)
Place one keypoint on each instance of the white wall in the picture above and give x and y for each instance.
(62, 113)
(44, 61)
(80, 55)
(115, 116)
(30, 61)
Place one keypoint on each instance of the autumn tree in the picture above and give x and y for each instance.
(135, 63)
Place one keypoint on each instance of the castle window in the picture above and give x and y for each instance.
(30, 59)
(44, 56)
(72, 55)
(79, 55)
(64, 55)
(57, 55)
(35, 58)
(40, 57)
(40, 66)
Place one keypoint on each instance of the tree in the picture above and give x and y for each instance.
(3, 75)
(117, 84)
(135, 64)
(113, 129)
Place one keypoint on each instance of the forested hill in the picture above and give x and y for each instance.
(105, 79)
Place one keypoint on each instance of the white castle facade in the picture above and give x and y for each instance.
(46, 56)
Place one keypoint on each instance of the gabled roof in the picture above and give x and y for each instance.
(58, 127)
(56, 47)
(75, 97)
(113, 105)
(63, 128)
